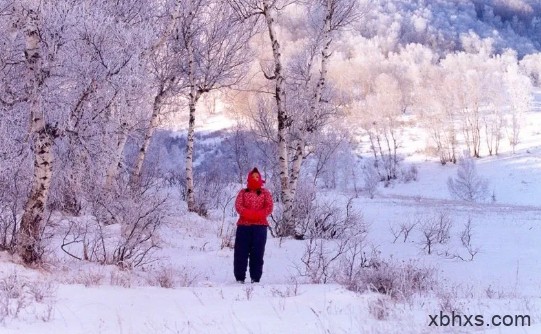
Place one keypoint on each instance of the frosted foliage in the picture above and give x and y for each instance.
(468, 185)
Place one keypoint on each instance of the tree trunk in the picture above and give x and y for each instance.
(314, 115)
(28, 240)
(194, 96)
(154, 119)
(190, 194)
(116, 164)
(287, 227)
(34, 209)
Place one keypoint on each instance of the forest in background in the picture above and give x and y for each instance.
(85, 85)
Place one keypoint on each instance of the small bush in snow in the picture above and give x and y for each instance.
(42, 290)
(120, 278)
(465, 236)
(90, 277)
(291, 290)
(322, 219)
(380, 308)
(227, 236)
(164, 277)
(399, 280)
(409, 174)
(12, 198)
(403, 229)
(26, 299)
(327, 247)
(125, 229)
(371, 179)
(468, 185)
(435, 230)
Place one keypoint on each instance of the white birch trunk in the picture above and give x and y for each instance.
(116, 164)
(298, 158)
(287, 224)
(190, 194)
(193, 98)
(296, 166)
(154, 120)
(29, 235)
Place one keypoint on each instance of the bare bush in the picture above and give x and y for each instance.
(466, 240)
(435, 230)
(291, 290)
(227, 237)
(371, 179)
(121, 278)
(403, 229)
(409, 174)
(326, 247)
(448, 302)
(124, 231)
(89, 277)
(468, 185)
(42, 290)
(209, 192)
(395, 231)
(380, 308)
(429, 234)
(322, 219)
(465, 237)
(21, 296)
(399, 280)
(354, 260)
(443, 223)
(13, 189)
(166, 276)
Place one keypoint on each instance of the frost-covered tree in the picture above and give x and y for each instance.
(163, 71)
(468, 185)
(61, 75)
(215, 43)
(382, 122)
(518, 89)
(307, 111)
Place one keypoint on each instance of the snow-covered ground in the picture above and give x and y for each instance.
(504, 277)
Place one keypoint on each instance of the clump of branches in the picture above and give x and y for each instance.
(13, 190)
(21, 297)
(322, 219)
(435, 229)
(124, 230)
(404, 228)
(465, 236)
(399, 280)
(333, 235)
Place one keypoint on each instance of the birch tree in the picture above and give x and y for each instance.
(382, 122)
(42, 135)
(100, 110)
(163, 71)
(330, 17)
(64, 96)
(215, 42)
(518, 94)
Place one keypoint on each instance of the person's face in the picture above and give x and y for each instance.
(255, 176)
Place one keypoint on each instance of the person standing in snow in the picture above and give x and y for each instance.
(253, 204)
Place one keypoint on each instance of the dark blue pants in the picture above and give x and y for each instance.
(249, 245)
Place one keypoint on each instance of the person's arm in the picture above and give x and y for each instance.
(268, 205)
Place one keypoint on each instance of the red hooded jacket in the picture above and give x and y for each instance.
(254, 204)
